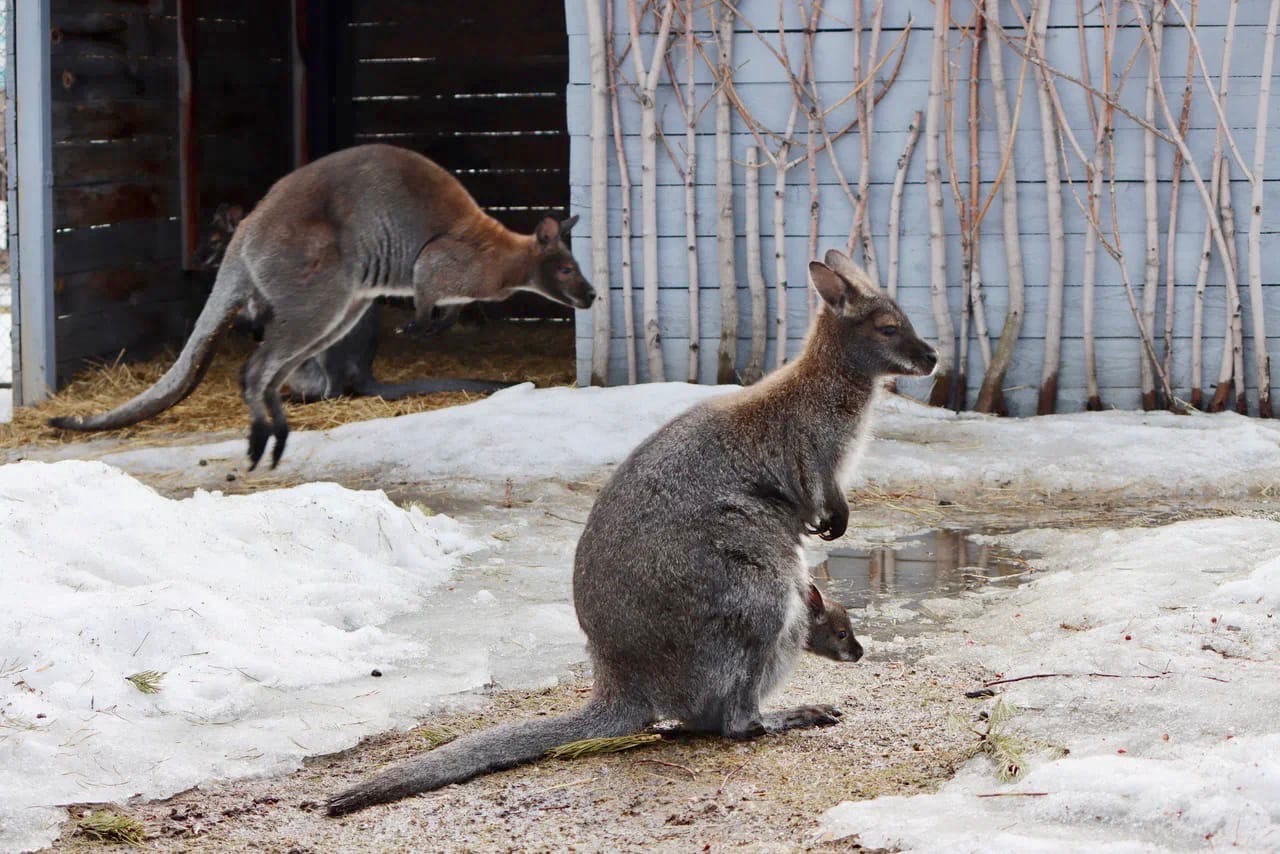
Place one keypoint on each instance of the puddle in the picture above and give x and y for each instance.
(889, 583)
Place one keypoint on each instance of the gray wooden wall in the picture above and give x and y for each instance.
(762, 85)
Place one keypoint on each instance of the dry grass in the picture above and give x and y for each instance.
(542, 353)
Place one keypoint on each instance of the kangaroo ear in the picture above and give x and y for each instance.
(817, 607)
(830, 287)
(548, 231)
(566, 224)
(235, 213)
(851, 273)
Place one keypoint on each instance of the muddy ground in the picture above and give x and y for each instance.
(898, 734)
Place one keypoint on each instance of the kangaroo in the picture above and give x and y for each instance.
(688, 579)
(346, 368)
(830, 629)
(327, 240)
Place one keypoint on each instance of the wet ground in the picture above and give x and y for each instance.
(907, 563)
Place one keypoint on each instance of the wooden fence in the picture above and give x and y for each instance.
(768, 74)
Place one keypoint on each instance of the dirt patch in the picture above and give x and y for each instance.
(679, 794)
(509, 351)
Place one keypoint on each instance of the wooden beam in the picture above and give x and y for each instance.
(188, 150)
(30, 135)
(300, 52)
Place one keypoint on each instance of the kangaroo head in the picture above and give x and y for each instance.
(830, 629)
(557, 275)
(875, 337)
(225, 220)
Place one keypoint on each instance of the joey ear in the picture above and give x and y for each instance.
(817, 607)
(851, 273)
(566, 224)
(833, 290)
(548, 231)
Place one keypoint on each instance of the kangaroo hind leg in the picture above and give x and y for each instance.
(289, 341)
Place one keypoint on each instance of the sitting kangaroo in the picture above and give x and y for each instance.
(688, 579)
(327, 240)
(346, 368)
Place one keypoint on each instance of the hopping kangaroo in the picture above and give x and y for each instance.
(327, 240)
(346, 368)
(688, 580)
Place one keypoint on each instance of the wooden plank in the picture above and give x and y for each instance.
(59, 8)
(84, 249)
(517, 188)
(455, 152)
(450, 38)
(188, 133)
(134, 284)
(445, 113)
(300, 82)
(105, 34)
(79, 164)
(266, 34)
(494, 14)
(140, 331)
(116, 120)
(106, 204)
(101, 78)
(523, 73)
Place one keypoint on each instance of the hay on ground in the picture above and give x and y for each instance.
(509, 351)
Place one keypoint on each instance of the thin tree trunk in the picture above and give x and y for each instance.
(1171, 241)
(941, 394)
(755, 272)
(1206, 251)
(624, 188)
(1057, 233)
(978, 305)
(727, 353)
(1102, 125)
(600, 317)
(647, 83)
(1150, 182)
(691, 187)
(780, 236)
(991, 395)
(960, 376)
(810, 79)
(1257, 308)
(865, 132)
(1235, 316)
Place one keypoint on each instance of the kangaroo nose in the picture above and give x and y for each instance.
(588, 297)
(930, 360)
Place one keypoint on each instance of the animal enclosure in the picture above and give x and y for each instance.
(1048, 210)
(162, 110)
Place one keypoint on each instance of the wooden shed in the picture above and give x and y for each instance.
(133, 120)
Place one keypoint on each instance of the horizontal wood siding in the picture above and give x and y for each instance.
(479, 87)
(759, 81)
(119, 286)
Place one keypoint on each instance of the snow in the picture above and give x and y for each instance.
(6, 350)
(1181, 751)
(522, 432)
(266, 613)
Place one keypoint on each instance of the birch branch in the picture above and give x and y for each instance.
(727, 352)
(942, 393)
(1057, 233)
(1171, 241)
(1150, 185)
(624, 186)
(755, 273)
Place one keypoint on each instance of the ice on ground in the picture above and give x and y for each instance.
(1174, 739)
(522, 432)
(266, 615)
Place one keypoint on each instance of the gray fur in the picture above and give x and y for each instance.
(325, 241)
(688, 580)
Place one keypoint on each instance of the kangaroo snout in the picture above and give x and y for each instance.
(928, 362)
(585, 299)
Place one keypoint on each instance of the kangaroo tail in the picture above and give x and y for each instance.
(487, 751)
(230, 291)
(396, 391)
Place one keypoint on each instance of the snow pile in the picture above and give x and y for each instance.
(1177, 748)
(523, 432)
(265, 613)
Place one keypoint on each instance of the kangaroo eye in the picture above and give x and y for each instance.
(888, 331)
(842, 634)
(566, 271)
